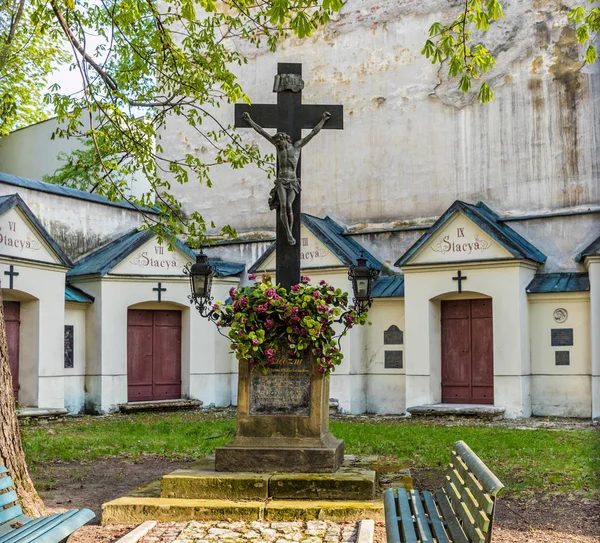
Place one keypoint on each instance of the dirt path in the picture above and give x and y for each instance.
(553, 519)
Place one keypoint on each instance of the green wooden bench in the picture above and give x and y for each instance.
(15, 527)
(461, 512)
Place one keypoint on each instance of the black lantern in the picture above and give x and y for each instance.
(362, 277)
(201, 275)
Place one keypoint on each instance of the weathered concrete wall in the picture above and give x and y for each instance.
(412, 143)
(78, 226)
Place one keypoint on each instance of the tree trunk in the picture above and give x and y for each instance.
(11, 449)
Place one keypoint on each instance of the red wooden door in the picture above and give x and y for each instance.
(467, 351)
(12, 318)
(153, 355)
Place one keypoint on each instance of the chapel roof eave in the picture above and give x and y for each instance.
(104, 259)
(68, 192)
(331, 234)
(546, 283)
(11, 201)
(486, 219)
(593, 249)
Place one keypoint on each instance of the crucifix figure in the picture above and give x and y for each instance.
(289, 117)
(460, 278)
(287, 184)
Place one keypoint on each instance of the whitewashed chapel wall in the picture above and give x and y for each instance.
(74, 376)
(560, 373)
(412, 144)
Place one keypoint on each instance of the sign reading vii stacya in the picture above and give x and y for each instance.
(152, 259)
(18, 239)
(460, 240)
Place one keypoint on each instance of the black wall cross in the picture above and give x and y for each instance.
(460, 278)
(12, 274)
(160, 290)
(289, 115)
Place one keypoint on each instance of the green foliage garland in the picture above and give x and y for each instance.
(266, 320)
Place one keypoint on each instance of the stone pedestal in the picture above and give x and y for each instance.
(282, 421)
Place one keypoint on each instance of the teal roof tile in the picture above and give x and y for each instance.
(559, 282)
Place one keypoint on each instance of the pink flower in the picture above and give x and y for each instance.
(215, 307)
(332, 289)
(269, 353)
(252, 276)
(232, 292)
(269, 324)
(266, 277)
(305, 279)
(262, 308)
(243, 302)
(294, 310)
(270, 293)
(316, 294)
(295, 288)
(244, 320)
(255, 342)
(322, 282)
(321, 369)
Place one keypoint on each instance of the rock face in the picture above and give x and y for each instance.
(412, 142)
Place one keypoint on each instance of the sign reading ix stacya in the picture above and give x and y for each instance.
(460, 240)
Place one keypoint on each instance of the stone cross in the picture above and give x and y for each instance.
(160, 289)
(289, 116)
(460, 278)
(12, 274)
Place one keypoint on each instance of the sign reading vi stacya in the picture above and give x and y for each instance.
(152, 259)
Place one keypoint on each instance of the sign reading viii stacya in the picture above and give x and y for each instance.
(152, 259)
(460, 240)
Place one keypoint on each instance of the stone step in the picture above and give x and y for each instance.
(201, 481)
(159, 405)
(41, 413)
(491, 412)
(135, 510)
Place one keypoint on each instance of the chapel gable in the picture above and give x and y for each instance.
(467, 232)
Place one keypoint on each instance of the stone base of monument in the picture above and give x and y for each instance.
(198, 492)
(282, 421)
(201, 481)
(302, 455)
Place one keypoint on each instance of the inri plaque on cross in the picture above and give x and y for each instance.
(289, 117)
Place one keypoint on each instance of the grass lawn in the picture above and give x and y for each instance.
(525, 460)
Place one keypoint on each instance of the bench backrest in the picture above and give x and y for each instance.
(471, 488)
(9, 501)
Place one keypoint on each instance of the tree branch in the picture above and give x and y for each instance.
(14, 23)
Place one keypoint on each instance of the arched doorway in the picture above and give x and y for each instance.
(153, 354)
(467, 351)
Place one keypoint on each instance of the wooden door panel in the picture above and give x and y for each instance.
(456, 351)
(482, 345)
(154, 355)
(12, 318)
(467, 351)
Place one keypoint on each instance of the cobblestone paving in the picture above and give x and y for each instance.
(314, 531)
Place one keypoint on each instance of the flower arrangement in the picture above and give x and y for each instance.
(266, 320)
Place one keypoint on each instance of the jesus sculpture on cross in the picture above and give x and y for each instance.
(287, 184)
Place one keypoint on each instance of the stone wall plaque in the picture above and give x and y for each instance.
(562, 358)
(283, 390)
(393, 336)
(562, 337)
(393, 360)
(69, 362)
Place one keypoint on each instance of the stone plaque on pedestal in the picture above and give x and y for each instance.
(283, 390)
(282, 421)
